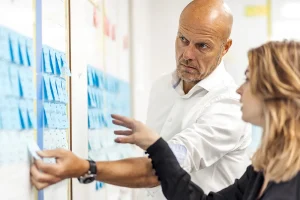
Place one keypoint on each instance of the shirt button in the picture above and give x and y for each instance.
(170, 119)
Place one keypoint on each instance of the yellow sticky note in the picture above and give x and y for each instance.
(256, 10)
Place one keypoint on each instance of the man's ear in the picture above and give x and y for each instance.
(227, 46)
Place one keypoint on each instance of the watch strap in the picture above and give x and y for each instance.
(93, 167)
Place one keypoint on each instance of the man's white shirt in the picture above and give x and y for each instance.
(203, 128)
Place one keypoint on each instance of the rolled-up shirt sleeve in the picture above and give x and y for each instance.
(214, 133)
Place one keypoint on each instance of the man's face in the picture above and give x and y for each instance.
(199, 50)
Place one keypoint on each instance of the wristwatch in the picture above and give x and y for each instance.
(91, 175)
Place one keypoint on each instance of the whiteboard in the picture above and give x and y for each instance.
(14, 157)
(99, 38)
(54, 35)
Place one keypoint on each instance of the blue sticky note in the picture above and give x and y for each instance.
(99, 185)
(90, 116)
(52, 60)
(23, 114)
(63, 60)
(96, 97)
(6, 120)
(4, 44)
(100, 99)
(5, 86)
(2, 105)
(54, 89)
(96, 119)
(15, 117)
(23, 51)
(22, 85)
(1, 126)
(31, 90)
(58, 59)
(93, 99)
(14, 80)
(94, 122)
(63, 110)
(14, 47)
(65, 91)
(23, 82)
(89, 97)
(89, 121)
(45, 119)
(55, 61)
(89, 76)
(59, 89)
(31, 116)
(29, 51)
(47, 90)
(59, 116)
(92, 119)
(95, 78)
(48, 123)
(46, 60)
(99, 119)
(63, 119)
(101, 79)
(65, 70)
(53, 115)
(95, 92)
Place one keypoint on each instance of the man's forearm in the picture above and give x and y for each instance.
(132, 172)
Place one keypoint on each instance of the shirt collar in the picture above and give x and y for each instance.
(214, 78)
(208, 83)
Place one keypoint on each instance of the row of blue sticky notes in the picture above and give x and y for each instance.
(97, 119)
(55, 116)
(17, 114)
(95, 77)
(16, 81)
(26, 84)
(55, 89)
(54, 62)
(15, 47)
(95, 98)
(112, 84)
(99, 79)
(5, 88)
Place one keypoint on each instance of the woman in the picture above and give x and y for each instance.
(271, 99)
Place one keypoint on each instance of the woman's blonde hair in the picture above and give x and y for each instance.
(275, 77)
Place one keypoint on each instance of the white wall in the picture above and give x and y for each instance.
(247, 32)
(285, 19)
(154, 28)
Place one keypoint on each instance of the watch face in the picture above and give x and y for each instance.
(88, 180)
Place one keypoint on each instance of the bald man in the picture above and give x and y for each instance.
(195, 108)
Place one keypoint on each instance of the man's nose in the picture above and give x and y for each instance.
(189, 52)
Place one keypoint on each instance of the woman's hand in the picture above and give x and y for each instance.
(138, 133)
